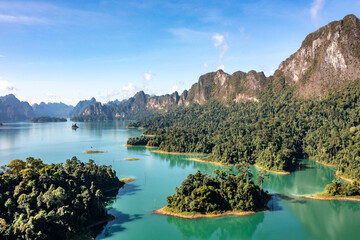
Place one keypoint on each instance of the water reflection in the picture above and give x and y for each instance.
(182, 161)
(235, 227)
(330, 218)
(312, 178)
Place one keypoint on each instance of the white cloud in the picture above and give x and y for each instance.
(6, 87)
(243, 33)
(316, 6)
(218, 39)
(21, 19)
(111, 95)
(174, 88)
(129, 90)
(148, 76)
(267, 71)
(188, 35)
(205, 67)
(2, 56)
(220, 43)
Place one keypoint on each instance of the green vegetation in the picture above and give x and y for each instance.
(337, 188)
(202, 193)
(47, 119)
(138, 141)
(272, 133)
(41, 201)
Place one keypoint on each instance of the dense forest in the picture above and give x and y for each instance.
(47, 119)
(272, 133)
(57, 201)
(337, 188)
(202, 193)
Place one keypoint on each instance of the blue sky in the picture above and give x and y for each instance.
(73, 50)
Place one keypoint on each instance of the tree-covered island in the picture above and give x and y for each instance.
(47, 119)
(203, 195)
(54, 201)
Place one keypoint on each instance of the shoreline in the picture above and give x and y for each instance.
(325, 164)
(101, 222)
(129, 145)
(204, 161)
(178, 153)
(276, 172)
(320, 196)
(127, 180)
(167, 212)
(91, 151)
(151, 147)
(131, 159)
(336, 173)
(344, 178)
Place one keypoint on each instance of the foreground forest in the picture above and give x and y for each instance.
(272, 133)
(42, 201)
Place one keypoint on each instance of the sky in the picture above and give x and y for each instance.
(68, 51)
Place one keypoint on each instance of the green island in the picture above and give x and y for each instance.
(54, 201)
(132, 159)
(93, 151)
(271, 133)
(202, 195)
(47, 119)
(339, 191)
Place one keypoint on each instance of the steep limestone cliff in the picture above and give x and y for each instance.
(326, 59)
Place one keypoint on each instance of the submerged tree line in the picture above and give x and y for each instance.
(56, 201)
(272, 133)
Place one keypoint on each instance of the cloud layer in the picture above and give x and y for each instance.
(316, 6)
(221, 45)
(6, 87)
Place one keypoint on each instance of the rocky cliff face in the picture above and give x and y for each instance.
(239, 87)
(11, 109)
(326, 59)
(81, 106)
(217, 85)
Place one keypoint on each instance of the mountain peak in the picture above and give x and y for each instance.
(326, 59)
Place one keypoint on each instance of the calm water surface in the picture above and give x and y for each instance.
(157, 175)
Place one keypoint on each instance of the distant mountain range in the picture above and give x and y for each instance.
(327, 59)
(52, 109)
(11, 109)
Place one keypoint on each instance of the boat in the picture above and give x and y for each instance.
(74, 126)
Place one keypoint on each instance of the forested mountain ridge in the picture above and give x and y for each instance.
(238, 87)
(271, 133)
(327, 59)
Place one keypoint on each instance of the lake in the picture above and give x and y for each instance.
(290, 217)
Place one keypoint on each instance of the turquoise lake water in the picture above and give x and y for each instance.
(291, 217)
